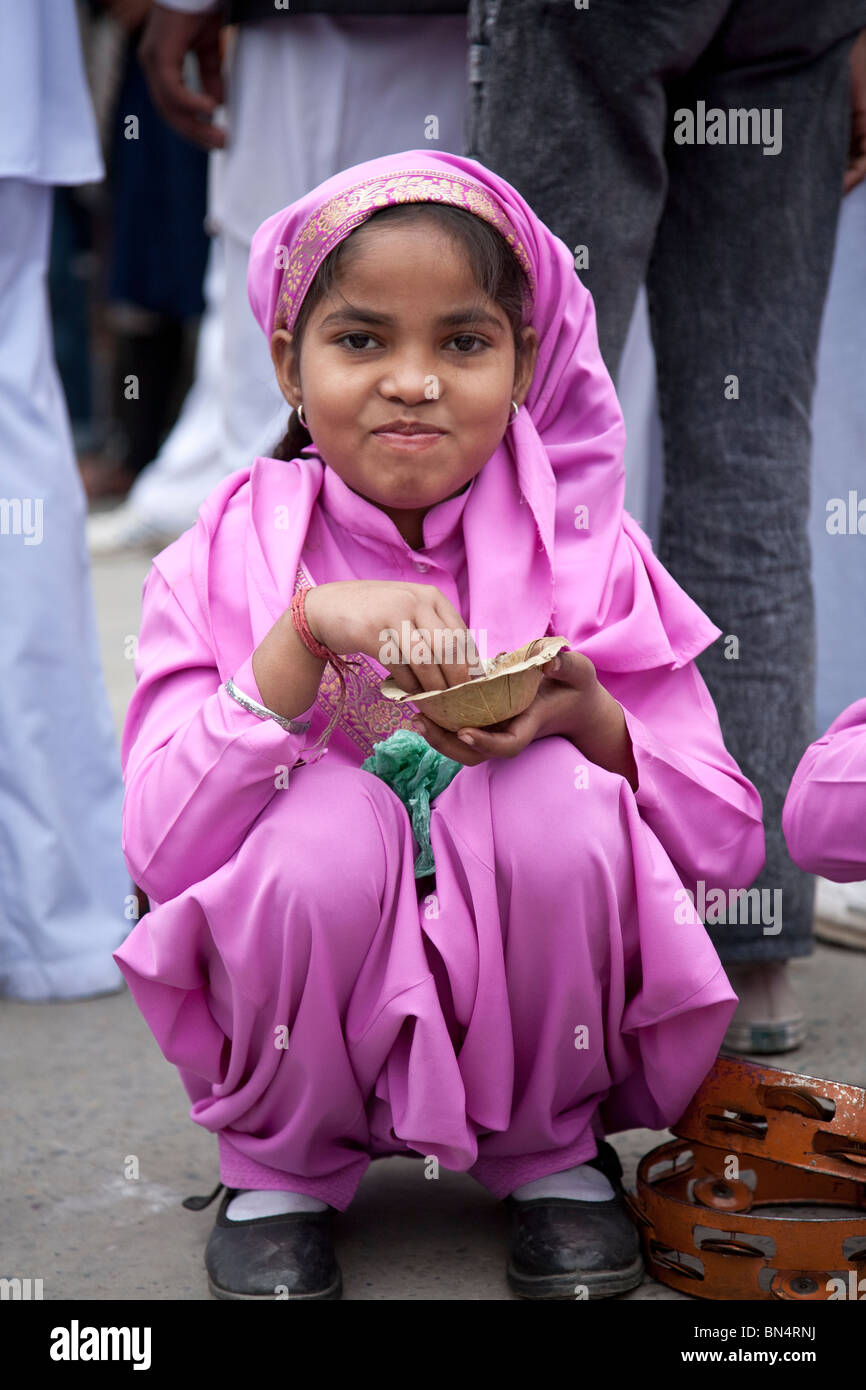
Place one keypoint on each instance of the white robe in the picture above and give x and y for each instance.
(48, 129)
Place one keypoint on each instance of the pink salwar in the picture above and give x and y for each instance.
(824, 816)
(320, 1008)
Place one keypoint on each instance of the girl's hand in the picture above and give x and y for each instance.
(570, 701)
(412, 629)
(551, 712)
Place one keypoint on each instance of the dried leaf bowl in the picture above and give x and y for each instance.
(508, 688)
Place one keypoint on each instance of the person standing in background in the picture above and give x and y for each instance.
(63, 881)
(702, 149)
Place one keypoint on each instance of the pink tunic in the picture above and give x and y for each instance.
(824, 816)
(320, 1008)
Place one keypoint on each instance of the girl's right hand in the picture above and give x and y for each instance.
(356, 615)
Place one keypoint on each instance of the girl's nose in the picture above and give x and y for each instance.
(410, 382)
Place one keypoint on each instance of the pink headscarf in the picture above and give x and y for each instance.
(549, 546)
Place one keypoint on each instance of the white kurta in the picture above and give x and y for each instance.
(48, 129)
(63, 881)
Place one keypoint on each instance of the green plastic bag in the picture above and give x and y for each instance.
(417, 773)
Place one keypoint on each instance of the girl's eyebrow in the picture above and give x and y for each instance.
(474, 314)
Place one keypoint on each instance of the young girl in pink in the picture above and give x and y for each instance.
(455, 461)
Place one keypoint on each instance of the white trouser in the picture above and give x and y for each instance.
(63, 880)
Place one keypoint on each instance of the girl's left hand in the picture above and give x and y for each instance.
(569, 689)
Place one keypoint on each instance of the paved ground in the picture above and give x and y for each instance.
(91, 1091)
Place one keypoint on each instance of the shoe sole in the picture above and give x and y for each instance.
(599, 1283)
(335, 1291)
(852, 935)
(765, 1038)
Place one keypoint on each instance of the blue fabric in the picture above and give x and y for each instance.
(159, 185)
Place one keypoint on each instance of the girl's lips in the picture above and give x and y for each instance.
(409, 443)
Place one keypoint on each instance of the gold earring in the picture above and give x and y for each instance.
(300, 414)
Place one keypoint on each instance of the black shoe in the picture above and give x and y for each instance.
(275, 1257)
(562, 1249)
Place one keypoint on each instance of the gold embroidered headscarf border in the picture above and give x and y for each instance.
(330, 224)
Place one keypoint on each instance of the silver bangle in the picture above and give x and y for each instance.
(293, 726)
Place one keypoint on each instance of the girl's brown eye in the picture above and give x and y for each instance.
(355, 346)
(468, 340)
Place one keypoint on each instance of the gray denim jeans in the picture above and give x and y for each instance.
(604, 118)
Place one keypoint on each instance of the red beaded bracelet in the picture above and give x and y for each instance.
(302, 627)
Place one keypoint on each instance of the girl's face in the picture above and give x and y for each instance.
(409, 341)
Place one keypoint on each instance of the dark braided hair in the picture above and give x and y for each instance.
(495, 267)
